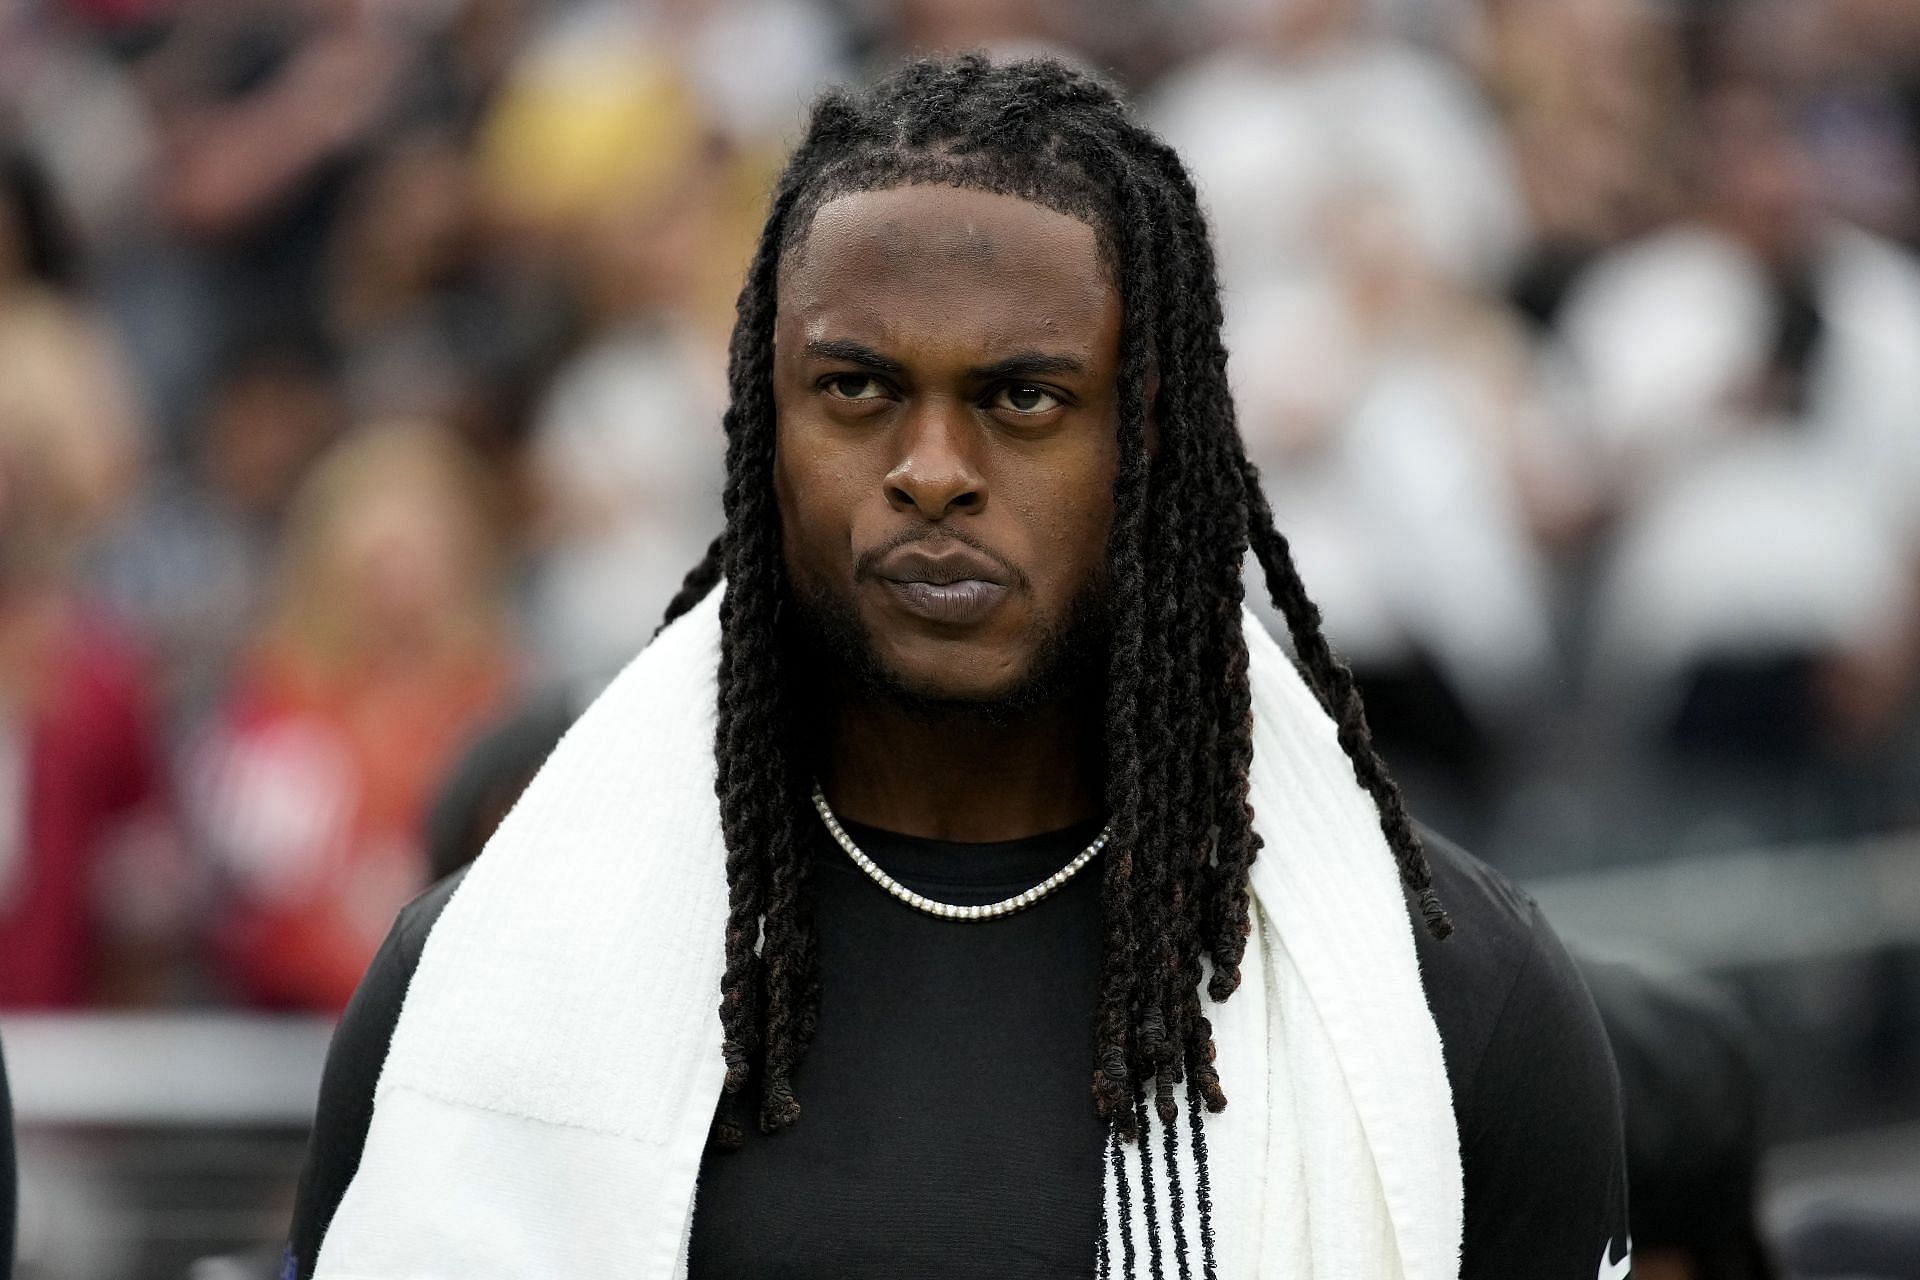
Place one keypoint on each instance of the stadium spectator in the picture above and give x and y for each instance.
(624, 489)
(1591, 93)
(386, 644)
(265, 113)
(1752, 391)
(65, 395)
(189, 557)
(1300, 105)
(83, 786)
(83, 791)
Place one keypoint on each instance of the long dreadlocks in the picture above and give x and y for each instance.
(1175, 897)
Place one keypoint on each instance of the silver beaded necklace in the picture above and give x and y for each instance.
(950, 910)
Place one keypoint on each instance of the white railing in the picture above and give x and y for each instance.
(174, 1068)
(1740, 910)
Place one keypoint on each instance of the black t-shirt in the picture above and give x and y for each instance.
(947, 1084)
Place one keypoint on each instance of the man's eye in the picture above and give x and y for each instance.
(1027, 399)
(853, 386)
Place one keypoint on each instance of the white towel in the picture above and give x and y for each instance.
(552, 1079)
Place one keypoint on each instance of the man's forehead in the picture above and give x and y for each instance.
(923, 225)
(894, 264)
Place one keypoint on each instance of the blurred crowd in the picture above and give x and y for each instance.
(361, 366)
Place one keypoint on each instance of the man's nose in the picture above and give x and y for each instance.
(937, 473)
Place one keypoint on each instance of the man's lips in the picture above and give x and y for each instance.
(954, 584)
(957, 603)
(950, 562)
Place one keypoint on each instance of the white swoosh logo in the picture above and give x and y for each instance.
(1616, 1270)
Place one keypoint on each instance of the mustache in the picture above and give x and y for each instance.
(863, 567)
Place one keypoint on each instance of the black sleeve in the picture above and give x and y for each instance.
(1540, 1133)
(354, 1059)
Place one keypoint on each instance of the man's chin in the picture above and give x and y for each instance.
(948, 690)
(989, 681)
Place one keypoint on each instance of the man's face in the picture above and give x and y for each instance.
(945, 381)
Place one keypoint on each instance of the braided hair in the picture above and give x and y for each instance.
(1174, 899)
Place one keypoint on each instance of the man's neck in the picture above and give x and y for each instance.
(962, 776)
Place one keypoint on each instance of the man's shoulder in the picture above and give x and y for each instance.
(1503, 974)
(1497, 926)
(417, 918)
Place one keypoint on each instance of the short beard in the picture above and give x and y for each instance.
(1069, 664)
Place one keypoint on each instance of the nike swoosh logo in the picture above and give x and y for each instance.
(1619, 1270)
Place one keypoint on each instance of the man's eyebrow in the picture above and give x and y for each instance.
(1028, 364)
(1023, 364)
(853, 353)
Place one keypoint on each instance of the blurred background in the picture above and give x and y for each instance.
(361, 364)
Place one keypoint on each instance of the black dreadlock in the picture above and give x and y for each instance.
(1175, 896)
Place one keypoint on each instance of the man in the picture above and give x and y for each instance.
(1059, 926)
